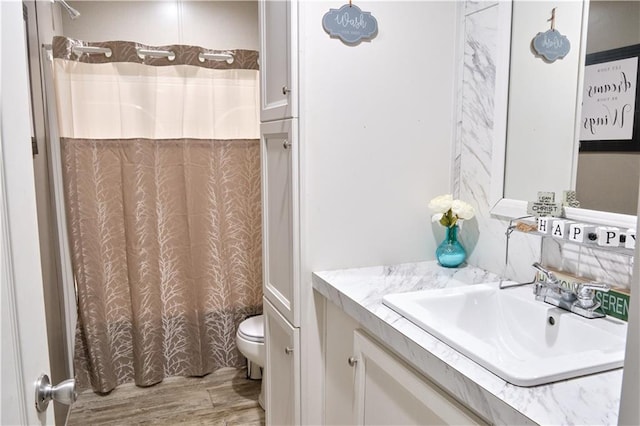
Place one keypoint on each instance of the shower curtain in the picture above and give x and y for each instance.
(162, 188)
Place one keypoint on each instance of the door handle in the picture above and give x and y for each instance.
(64, 392)
(286, 144)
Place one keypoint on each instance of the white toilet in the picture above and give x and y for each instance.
(250, 341)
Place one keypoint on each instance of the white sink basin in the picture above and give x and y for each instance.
(523, 341)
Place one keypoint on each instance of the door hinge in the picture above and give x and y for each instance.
(34, 146)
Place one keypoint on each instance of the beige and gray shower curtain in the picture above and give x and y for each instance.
(162, 186)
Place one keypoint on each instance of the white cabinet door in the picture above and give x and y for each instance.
(282, 369)
(278, 59)
(339, 384)
(389, 392)
(279, 153)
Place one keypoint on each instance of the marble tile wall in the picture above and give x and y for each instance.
(584, 261)
(484, 236)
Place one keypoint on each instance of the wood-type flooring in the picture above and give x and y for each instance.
(225, 397)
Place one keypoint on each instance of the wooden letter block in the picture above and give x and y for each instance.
(560, 228)
(579, 232)
(608, 236)
(630, 238)
(544, 225)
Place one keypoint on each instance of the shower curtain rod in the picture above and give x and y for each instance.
(222, 56)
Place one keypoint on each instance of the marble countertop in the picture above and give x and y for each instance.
(589, 400)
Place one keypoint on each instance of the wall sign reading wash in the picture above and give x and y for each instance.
(350, 24)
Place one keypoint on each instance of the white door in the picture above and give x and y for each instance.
(278, 59)
(339, 382)
(281, 265)
(282, 386)
(389, 392)
(24, 341)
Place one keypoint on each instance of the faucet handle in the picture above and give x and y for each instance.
(550, 276)
(593, 286)
(585, 292)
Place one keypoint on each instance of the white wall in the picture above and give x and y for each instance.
(377, 129)
(378, 143)
(210, 24)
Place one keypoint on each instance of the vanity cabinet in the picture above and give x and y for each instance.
(278, 59)
(388, 391)
(367, 384)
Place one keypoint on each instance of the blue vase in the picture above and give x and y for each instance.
(450, 252)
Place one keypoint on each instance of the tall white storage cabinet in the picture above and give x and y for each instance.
(280, 217)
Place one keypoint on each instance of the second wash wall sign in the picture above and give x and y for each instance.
(350, 24)
(551, 44)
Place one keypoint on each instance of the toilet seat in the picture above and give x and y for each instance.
(252, 329)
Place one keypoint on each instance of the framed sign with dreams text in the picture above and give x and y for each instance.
(610, 101)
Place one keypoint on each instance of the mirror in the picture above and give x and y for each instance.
(611, 25)
(542, 151)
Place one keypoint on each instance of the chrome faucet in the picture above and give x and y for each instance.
(578, 298)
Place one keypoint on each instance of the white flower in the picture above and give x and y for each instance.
(442, 203)
(449, 212)
(462, 210)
